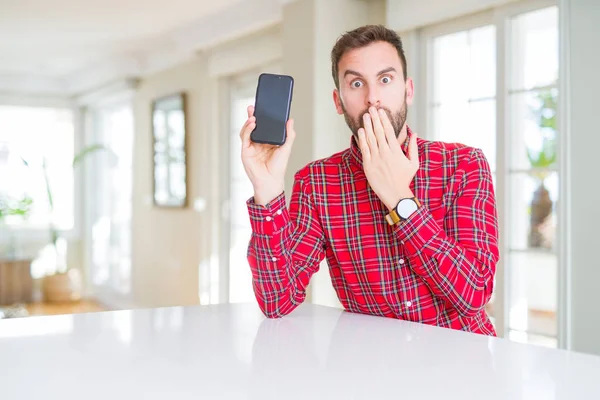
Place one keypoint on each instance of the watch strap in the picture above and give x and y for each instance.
(393, 217)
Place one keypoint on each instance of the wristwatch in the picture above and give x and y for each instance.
(405, 208)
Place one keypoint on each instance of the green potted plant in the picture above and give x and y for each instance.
(16, 284)
(12, 207)
(541, 160)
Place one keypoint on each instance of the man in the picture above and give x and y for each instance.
(408, 226)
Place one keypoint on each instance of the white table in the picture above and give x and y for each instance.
(233, 352)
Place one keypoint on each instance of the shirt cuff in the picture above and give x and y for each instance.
(269, 218)
(417, 230)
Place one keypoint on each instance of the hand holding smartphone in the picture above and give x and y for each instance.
(268, 136)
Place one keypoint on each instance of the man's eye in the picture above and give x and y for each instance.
(356, 84)
(386, 79)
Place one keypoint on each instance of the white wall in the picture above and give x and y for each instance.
(581, 28)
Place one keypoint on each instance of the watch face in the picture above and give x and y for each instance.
(406, 207)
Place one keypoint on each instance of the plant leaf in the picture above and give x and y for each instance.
(79, 157)
(48, 191)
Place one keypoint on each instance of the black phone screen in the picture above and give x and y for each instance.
(272, 108)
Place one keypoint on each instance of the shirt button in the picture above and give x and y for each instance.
(402, 261)
(268, 219)
(408, 304)
(278, 212)
(274, 258)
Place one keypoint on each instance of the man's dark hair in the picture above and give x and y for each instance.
(361, 37)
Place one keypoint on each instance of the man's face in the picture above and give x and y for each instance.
(372, 76)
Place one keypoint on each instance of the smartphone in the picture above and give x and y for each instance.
(272, 108)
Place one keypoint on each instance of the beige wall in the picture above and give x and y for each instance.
(167, 242)
(310, 29)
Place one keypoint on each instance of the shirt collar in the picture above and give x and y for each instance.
(356, 154)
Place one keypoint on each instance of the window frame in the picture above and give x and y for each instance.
(500, 18)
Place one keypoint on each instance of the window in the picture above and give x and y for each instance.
(507, 59)
(532, 180)
(43, 137)
(111, 199)
(463, 104)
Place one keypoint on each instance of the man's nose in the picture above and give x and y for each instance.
(373, 97)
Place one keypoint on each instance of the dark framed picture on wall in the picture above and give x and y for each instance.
(169, 132)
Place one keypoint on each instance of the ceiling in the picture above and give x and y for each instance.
(67, 46)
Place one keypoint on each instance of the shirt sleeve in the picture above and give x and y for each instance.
(458, 263)
(285, 250)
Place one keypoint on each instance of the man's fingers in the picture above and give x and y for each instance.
(363, 145)
(388, 128)
(247, 130)
(371, 140)
(378, 129)
(290, 135)
(250, 110)
(413, 149)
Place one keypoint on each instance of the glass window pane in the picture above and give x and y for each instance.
(239, 115)
(241, 192)
(464, 88)
(532, 287)
(469, 123)
(532, 205)
(533, 191)
(451, 68)
(482, 69)
(448, 121)
(481, 129)
(533, 129)
(52, 132)
(535, 49)
(465, 65)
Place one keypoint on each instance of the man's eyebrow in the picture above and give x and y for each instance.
(351, 72)
(383, 71)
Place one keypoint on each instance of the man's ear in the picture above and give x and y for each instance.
(410, 91)
(337, 100)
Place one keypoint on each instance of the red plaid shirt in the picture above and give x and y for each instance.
(436, 268)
